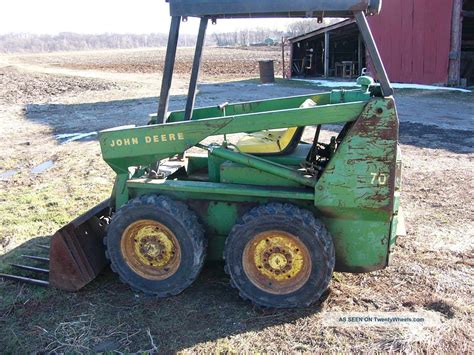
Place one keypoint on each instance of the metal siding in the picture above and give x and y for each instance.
(414, 39)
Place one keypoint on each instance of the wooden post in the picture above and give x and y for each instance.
(326, 54)
(359, 55)
(290, 64)
(454, 74)
(283, 56)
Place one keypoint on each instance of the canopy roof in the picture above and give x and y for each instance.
(272, 8)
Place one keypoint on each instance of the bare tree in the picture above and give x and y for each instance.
(304, 26)
(25, 42)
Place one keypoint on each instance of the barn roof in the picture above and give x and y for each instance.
(321, 30)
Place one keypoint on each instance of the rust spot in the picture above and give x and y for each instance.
(390, 104)
(390, 132)
(378, 197)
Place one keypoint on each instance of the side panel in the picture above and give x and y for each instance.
(218, 218)
(233, 173)
(355, 194)
(398, 222)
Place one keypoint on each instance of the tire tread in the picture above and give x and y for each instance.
(189, 221)
(299, 215)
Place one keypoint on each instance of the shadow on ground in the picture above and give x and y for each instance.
(434, 137)
(87, 117)
(108, 316)
(83, 118)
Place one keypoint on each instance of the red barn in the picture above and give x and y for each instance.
(420, 41)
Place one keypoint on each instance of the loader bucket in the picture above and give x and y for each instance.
(76, 252)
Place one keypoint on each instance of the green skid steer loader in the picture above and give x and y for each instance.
(282, 213)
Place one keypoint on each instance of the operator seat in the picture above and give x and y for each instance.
(273, 141)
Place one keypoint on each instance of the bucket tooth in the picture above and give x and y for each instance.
(36, 258)
(30, 268)
(76, 253)
(25, 279)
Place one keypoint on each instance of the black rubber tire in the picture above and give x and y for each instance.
(181, 221)
(294, 220)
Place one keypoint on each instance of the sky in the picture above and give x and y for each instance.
(100, 16)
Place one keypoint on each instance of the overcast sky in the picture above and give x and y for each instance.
(99, 16)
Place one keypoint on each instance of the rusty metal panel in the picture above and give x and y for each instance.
(355, 194)
(77, 253)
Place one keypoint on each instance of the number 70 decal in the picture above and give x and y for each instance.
(379, 178)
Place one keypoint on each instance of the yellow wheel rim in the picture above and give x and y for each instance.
(151, 249)
(277, 262)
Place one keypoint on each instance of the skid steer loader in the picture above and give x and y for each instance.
(282, 213)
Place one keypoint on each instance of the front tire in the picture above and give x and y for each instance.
(156, 245)
(280, 256)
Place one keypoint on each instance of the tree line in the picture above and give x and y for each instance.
(27, 42)
(67, 41)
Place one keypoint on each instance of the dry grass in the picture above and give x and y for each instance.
(431, 272)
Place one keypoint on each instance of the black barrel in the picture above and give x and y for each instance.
(267, 71)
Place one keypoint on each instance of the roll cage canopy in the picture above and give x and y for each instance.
(228, 9)
(219, 9)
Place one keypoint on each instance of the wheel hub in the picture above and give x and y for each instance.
(277, 262)
(151, 249)
(153, 246)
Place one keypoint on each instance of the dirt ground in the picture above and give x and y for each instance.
(44, 96)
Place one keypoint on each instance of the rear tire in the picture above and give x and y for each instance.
(156, 245)
(280, 256)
